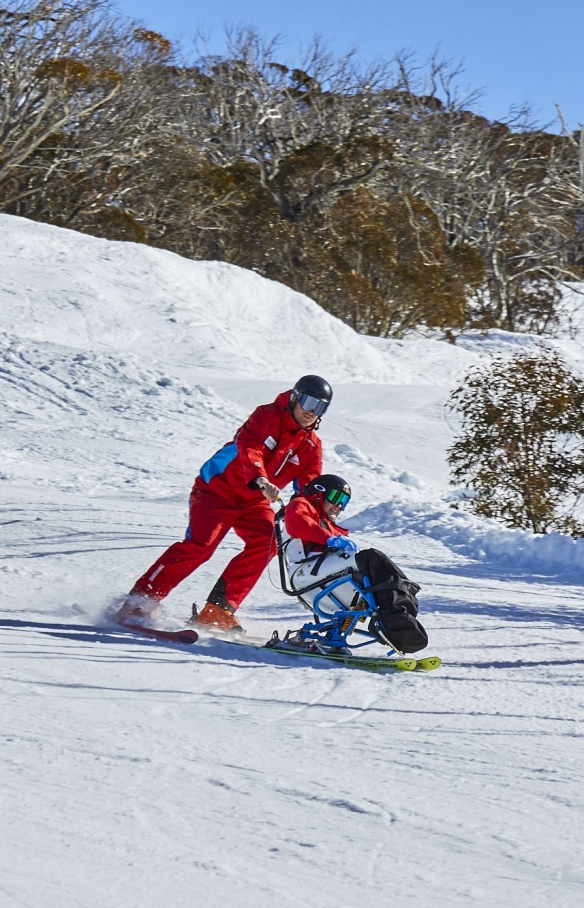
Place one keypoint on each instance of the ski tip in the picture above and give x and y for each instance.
(186, 636)
(429, 663)
(406, 665)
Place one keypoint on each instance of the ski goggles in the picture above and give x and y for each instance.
(338, 498)
(312, 404)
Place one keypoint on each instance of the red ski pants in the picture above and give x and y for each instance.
(211, 517)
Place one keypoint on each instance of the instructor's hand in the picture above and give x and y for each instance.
(268, 489)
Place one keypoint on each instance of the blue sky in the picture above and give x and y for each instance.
(515, 51)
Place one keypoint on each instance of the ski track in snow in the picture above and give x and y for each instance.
(139, 774)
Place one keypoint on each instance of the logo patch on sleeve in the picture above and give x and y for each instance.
(270, 442)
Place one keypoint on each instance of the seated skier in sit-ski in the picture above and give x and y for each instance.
(319, 548)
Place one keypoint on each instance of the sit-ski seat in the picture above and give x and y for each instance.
(314, 579)
(329, 584)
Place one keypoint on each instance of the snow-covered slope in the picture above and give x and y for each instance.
(211, 315)
(140, 776)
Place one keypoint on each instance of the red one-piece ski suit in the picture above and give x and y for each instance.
(270, 444)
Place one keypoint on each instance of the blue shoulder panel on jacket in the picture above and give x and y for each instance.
(219, 462)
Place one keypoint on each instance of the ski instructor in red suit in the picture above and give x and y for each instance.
(276, 445)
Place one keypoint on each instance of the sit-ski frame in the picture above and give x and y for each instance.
(330, 631)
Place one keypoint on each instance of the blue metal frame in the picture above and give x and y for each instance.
(334, 630)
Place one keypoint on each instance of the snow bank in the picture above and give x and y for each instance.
(413, 506)
(77, 290)
(478, 539)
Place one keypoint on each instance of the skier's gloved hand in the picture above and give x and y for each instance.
(342, 544)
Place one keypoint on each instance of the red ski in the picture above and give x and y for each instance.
(184, 636)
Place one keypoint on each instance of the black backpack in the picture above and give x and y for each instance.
(396, 621)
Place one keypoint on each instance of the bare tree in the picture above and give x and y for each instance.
(310, 131)
(508, 190)
(47, 81)
(81, 93)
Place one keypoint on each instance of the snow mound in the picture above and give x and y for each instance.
(89, 293)
(413, 506)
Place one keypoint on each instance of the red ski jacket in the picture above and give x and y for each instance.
(306, 520)
(270, 443)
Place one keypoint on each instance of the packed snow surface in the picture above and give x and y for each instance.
(146, 776)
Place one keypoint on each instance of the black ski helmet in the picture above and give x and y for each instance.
(330, 488)
(312, 393)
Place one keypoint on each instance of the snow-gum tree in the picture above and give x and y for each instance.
(520, 448)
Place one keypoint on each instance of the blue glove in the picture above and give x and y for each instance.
(342, 543)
